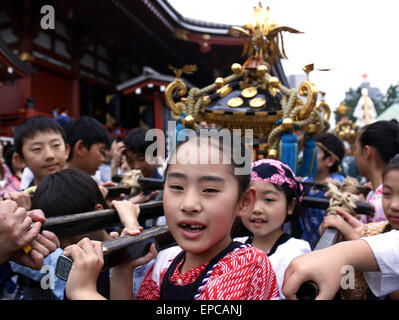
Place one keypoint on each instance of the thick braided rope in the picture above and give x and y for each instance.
(208, 274)
(343, 197)
(131, 179)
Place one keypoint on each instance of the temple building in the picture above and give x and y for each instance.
(85, 63)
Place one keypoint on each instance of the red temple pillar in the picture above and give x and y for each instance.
(158, 112)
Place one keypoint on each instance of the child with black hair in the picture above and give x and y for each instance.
(68, 191)
(376, 144)
(15, 167)
(330, 151)
(136, 147)
(279, 195)
(10, 171)
(352, 229)
(40, 144)
(377, 255)
(88, 140)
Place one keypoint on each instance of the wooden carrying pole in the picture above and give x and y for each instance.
(123, 249)
(309, 289)
(147, 184)
(81, 223)
(338, 198)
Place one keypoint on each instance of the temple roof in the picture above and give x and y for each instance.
(390, 113)
(148, 76)
(11, 66)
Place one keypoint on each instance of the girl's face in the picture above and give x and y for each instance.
(270, 210)
(201, 203)
(390, 198)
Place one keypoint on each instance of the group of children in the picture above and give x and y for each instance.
(203, 205)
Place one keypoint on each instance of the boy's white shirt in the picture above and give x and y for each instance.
(27, 178)
(385, 248)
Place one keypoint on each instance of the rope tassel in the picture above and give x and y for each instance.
(289, 150)
(309, 162)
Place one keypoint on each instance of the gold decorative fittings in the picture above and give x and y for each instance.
(264, 39)
(236, 68)
(206, 100)
(346, 130)
(263, 46)
(219, 82)
(257, 103)
(26, 57)
(342, 110)
(274, 82)
(235, 102)
(224, 91)
(249, 92)
(311, 128)
(272, 154)
(188, 122)
(288, 124)
(262, 69)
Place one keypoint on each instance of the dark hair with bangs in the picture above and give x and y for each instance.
(135, 141)
(240, 230)
(242, 179)
(65, 192)
(290, 196)
(31, 126)
(392, 165)
(87, 129)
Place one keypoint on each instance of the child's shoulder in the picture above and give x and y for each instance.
(292, 248)
(241, 239)
(298, 243)
(244, 257)
(164, 259)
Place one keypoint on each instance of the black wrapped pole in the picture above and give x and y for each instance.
(81, 223)
(123, 249)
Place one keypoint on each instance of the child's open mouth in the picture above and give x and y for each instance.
(258, 220)
(192, 227)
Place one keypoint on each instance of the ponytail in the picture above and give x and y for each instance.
(383, 136)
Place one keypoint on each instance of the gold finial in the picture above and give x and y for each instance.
(310, 67)
(187, 69)
(263, 39)
(342, 110)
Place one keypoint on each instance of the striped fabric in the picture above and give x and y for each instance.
(244, 274)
